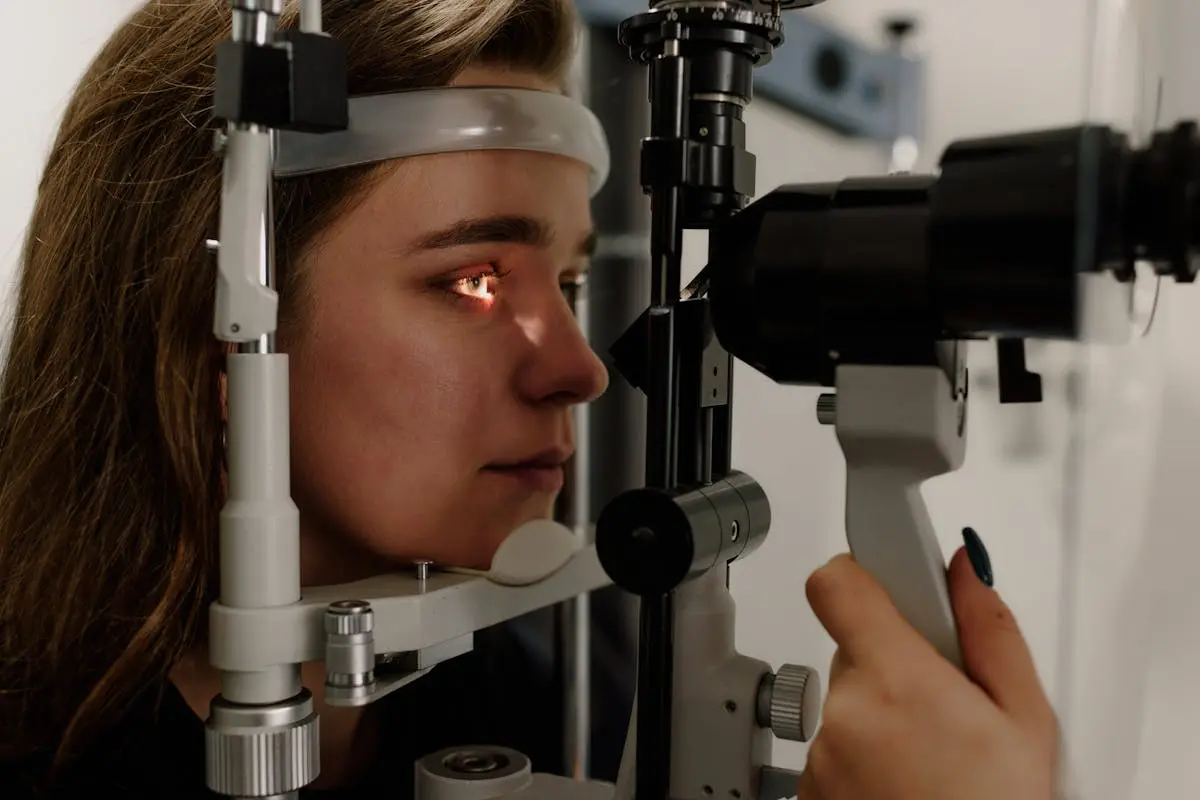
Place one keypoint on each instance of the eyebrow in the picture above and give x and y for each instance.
(528, 231)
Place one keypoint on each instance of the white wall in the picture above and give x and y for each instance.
(41, 63)
(1137, 646)
(993, 67)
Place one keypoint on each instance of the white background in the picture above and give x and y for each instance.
(1123, 671)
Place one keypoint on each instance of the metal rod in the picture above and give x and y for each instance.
(310, 16)
(255, 444)
(266, 343)
(669, 92)
(259, 26)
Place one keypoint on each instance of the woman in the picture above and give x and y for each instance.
(423, 370)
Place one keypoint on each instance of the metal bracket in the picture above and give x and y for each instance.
(823, 74)
(411, 615)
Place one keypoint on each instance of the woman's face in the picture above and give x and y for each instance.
(437, 361)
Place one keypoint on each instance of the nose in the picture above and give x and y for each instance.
(561, 368)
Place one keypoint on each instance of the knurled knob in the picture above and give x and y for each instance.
(827, 409)
(262, 751)
(349, 617)
(795, 705)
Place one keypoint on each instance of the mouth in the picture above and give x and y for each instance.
(542, 472)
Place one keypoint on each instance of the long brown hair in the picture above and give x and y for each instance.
(110, 429)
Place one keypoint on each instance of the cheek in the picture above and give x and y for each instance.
(389, 392)
(365, 390)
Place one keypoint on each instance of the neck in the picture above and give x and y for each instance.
(348, 735)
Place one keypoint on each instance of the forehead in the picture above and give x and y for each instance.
(437, 190)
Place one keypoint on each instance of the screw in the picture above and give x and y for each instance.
(730, 706)
(475, 763)
(735, 531)
(899, 28)
(423, 569)
(703, 131)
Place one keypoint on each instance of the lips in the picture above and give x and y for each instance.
(549, 458)
(542, 472)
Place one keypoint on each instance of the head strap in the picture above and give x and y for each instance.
(446, 120)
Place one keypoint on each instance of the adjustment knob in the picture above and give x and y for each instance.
(349, 618)
(789, 703)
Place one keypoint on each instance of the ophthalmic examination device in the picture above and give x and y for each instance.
(872, 287)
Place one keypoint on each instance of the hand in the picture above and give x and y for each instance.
(900, 722)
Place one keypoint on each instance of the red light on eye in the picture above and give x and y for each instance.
(479, 287)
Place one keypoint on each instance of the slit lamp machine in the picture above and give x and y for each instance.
(869, 286)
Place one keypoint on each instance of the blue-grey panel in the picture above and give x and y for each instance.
(822, 74)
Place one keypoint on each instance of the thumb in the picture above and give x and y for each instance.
(995, 654)
(807, 788)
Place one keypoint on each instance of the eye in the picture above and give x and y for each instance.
(479, 285)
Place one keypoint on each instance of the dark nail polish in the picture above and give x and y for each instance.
(978, 555)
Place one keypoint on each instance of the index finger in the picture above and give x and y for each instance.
(858, 614)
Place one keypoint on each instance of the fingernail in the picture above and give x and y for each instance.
(978, 555)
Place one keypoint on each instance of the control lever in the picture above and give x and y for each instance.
(898, 426)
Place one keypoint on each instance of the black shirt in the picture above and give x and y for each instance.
(506, 691)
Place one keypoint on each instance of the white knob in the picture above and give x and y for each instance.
(794, 707)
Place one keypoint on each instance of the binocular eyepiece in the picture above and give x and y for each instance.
(998, 244)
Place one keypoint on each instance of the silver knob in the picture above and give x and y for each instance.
(349, 651)
(349, 617)
(259, 751)
(790, 703)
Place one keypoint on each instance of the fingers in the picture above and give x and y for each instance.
(858, 614)
(867, 628)
(995, 654)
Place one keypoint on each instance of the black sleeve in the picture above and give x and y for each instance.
(614, 678)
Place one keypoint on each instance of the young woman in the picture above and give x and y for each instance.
(434, 364)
